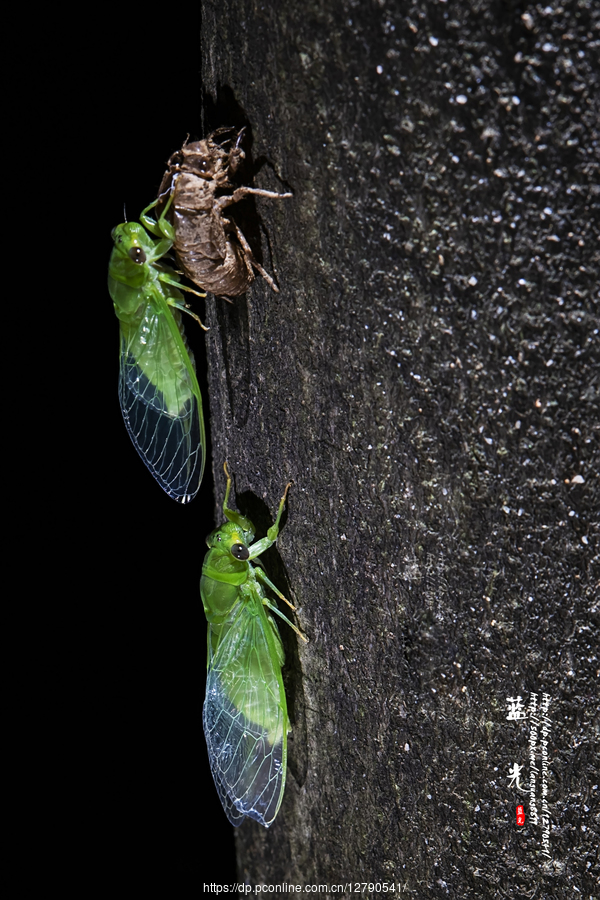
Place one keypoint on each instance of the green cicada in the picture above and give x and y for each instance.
(245, 712)
(158, 389)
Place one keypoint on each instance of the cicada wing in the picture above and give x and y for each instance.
(161, 405)
(245, 721)
(234, 815)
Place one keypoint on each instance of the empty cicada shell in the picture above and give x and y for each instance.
(210, 247)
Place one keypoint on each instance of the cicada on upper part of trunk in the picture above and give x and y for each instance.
(158, 389)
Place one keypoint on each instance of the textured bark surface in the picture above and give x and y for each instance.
(428, 379)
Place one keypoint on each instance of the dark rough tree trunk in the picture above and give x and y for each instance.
(427, 378)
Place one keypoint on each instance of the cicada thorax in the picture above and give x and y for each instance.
(128, 300)
(219, 594)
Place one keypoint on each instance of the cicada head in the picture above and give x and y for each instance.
(209, 160)
(201, 158)
(131, 261)
(233, 539)
(132, 242)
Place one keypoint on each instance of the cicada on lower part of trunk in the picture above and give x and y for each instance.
(158, 389)
(210, 245)
(245, 711)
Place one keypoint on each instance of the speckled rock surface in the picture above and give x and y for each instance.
(428, 377)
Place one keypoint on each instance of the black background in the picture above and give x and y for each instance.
(127, 770)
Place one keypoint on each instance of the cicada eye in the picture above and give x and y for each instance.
(205, 169)
(240, 551)
(137, 255)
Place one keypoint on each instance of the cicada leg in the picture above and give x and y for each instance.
(159, 227)
(266, 602)
(264, 578)
(260, 546)
(186, 309)
(173, 301)
(230, 514)
(273, 531)
(250, 256)
(242, 192)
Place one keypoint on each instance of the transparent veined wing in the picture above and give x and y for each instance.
(245, 719)
(160, 400)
